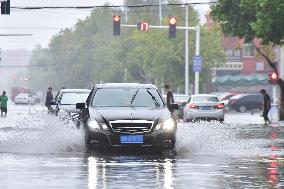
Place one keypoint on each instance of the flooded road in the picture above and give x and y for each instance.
(41, 151)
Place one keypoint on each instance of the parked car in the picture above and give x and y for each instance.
(204, 107)
(24, 98)
(66, 100)
(181, 100)
(224, 98)
(127, 115)
(244, 102)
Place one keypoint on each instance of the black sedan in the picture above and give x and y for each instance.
(127, 115)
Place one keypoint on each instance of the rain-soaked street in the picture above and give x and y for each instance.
(41, 151)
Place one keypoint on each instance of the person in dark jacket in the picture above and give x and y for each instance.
(170, 97)
(49, 98)
(266, 106)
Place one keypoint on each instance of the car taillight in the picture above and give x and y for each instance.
(220, 106)
(192, 106)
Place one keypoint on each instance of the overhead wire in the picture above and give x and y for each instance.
(110, 6)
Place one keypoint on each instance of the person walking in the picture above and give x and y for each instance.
(49, 98)
(3, 104)
(266, 106)
(170, 98)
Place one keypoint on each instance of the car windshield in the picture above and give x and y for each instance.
(204, 99)
(127, 98)
(73, 98)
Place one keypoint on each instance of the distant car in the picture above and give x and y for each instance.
(24, 98)
(204, 107)
(245, 102)
(67, 99)
(181, 100)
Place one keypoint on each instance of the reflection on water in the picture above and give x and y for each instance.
(44, 152)
(130, 172)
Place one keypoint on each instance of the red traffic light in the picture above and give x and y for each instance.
(172, 27)
(116, 18)
(172, 20)
(273, 78)
(116, 25)
(143, 26)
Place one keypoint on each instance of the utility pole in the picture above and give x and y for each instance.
(186, 52)
(197, 52)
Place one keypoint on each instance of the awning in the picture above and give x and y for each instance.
(244, 80)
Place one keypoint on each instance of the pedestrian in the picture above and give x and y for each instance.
(49, 98)
(266, 106)
(170, 97)
(3, 104)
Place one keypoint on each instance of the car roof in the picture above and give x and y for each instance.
(242, 95)
(23, 94)
(211, 95)
(126, 85)
(75, 90)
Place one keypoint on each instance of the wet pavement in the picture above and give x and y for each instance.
(41, 151)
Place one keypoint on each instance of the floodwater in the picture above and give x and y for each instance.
(41, 151)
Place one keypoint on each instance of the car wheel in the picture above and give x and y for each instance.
(221, 120)
(242, 108)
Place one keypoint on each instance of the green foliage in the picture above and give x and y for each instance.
(89, 53)
(251, 18)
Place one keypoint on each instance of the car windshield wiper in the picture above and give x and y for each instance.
(154, 99)
(133, 97)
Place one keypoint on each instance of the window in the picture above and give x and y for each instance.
(233, 54)
(248, 50)
(259, 66)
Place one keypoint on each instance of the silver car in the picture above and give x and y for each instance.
(204, 107)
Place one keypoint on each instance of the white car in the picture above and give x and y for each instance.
(24, 98)
(67, 99)
(204, 107)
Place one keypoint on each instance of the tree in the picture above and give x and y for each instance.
(89, 53)
(263, 19)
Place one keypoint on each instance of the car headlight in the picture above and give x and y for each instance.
(169, 124)
(93, 124)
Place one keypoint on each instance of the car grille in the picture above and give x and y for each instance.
(131, 126)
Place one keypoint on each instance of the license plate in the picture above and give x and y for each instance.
(131, 139)
(206, 108)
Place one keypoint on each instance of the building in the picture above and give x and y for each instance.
(244, 71)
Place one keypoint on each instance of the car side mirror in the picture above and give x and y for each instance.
(81, 106)
(174, 106)
(53, 102)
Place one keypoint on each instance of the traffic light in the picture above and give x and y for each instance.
(273, 78)
(116, 25)
(143, 26)
(5, 7)
(172, 27)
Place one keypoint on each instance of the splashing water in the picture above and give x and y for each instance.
(40, 133)
(214, 138)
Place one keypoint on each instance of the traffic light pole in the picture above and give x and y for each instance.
(197, 52)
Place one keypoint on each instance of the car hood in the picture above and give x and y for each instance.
(128, 113)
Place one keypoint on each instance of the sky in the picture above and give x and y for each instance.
(43, 24)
